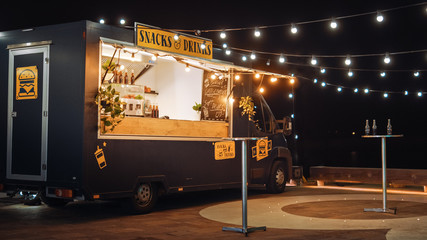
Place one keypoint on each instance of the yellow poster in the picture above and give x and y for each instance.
(260, 151)
(224, 150)
(164, 40)
(26, 83)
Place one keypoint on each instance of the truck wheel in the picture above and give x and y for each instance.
(144, 198)
(277, 181)
(53, 202)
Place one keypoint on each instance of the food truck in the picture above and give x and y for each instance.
(90, 111)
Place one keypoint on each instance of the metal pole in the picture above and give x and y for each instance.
(383, 158)
(244, 187)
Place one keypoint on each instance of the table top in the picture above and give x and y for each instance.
(244, 138)
(382, 136)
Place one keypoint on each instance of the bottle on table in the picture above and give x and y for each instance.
(374, 127)
(367, 128)
(389, 127)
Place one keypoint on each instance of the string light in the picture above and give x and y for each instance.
(380, 17)
(244, 58)
(187, 68)
(356, 90)
(282, 58)
(385, 95)
(102, 21)
(273, 79)
(257, 75)
(313, 60)
(228, 51)
(203, 45)
(416, 74)
(253, 56)
(382, 74)
(315, 80)
(122, 21)
(257, 33)
(291, 95)
(237, 77)
(223, 35)
(261, 90)
(420, 94)
(347, 60)
(224, 45)
(333, 23)
(387, 59)
(176, 37)
(366, 90)
(268, 62)
(322, 70)
(350, 73)
(405, 93)
(294, 28)
(323, 84)
(339, 89)
(292, 81)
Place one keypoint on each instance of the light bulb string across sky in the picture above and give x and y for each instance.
(377, 12)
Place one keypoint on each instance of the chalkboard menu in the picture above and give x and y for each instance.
(214, 94)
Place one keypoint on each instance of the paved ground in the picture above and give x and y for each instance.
(180, 217)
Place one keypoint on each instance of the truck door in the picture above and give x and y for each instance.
(27, 113)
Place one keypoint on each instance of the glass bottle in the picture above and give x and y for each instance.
(132, 77)
(389, 127)
(367, 129)
(126, 77)
(374, 128)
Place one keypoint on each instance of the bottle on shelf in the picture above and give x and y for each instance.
(132, 77)
(374, 127)
(120, 77)
(152, 111)
(126, 77)
(389, 127)
(114, 80)
(367, 128)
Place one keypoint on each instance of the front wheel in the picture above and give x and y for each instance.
(144, 198)
(277, 179)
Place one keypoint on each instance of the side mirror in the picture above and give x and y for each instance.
(287, 126)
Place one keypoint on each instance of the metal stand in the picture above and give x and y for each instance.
(384, 209)
(244, 229)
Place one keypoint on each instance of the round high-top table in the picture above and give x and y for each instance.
(384, 209)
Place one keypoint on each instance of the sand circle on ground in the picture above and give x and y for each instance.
(353, 209)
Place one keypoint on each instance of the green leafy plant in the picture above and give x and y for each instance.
(197, 107)
(247, 106)
(112, 109)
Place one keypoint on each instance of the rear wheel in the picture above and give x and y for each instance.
(144, 198)
(277, 180)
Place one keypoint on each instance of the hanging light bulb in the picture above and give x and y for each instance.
(102, 21)
(224, 45)
(187, 68)
(244, 58)
(253, 56)
(385, 95)
(356, 90)
(420, 94)
(268, 62)
(176, 37)
(416, 74)
(339, 89)
(350, 73)
(313, 60)
(261, 90)
(294, 28)
(333, 24)
(291, 95)
(122, 21)
(292, 81)
(257, 75)
(366, 90)
(237, 77)
(222, 35)
(154, 57)
(315, 80)
(347, 60)
(273, 79)
(380, 17)
(228, 51)
(406, 93)
(257, 33)
(323, 84)
(382, 74)
(322, 70)
(387, 59)
(203, 45)
(282, 58)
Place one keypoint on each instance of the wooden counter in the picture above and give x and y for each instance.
(170, 127)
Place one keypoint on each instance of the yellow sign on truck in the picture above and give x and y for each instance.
(174, 42)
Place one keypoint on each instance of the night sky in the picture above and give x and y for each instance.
(325, 119)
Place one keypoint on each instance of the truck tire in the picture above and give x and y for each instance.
(53, 202)
(144, 198)
(277, 180)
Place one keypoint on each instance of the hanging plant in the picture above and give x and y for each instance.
(110, 106)
(247, 106)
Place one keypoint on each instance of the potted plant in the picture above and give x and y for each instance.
(110, 106)
(247, 106)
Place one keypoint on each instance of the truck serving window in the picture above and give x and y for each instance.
(161, 94)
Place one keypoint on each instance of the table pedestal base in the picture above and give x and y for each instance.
(242, 230)
(381, 210)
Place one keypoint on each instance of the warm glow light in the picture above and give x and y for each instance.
(380, 17)
(213, 76)
(313, 60)
(257, 75)
(154, 57)
(253, 56)
(176, 37)
(273, 79)
(222, 35)
(347, 60)
(387, 59)
(231, 100)
(257, 33)
(282, 58)
(292, 80)
(203, 45)
(294, 29)
(228, 51)
(237, 77)
(122, 21)
(102, 21)
(261, 90)
(187, 68)
(333, 24)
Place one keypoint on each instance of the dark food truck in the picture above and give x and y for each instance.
(159, 124)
